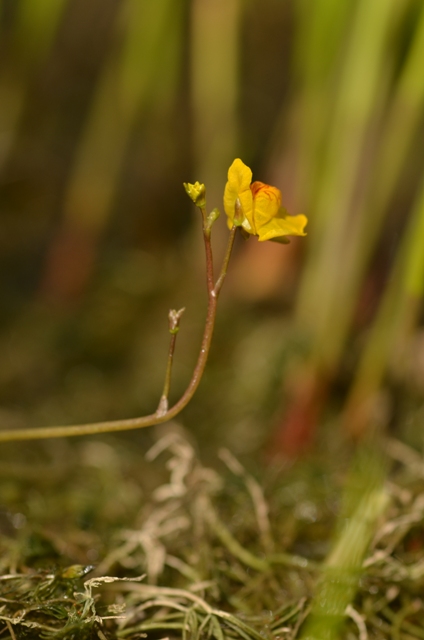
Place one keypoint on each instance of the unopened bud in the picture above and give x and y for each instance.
(212, 217)
(197, 193)
(174, 318)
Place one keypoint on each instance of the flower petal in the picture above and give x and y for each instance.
(266, 203)
(238, 186)
(283, 225)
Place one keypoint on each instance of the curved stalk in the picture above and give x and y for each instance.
(162, 414)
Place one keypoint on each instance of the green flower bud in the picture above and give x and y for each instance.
(212, 217)
(197, 193)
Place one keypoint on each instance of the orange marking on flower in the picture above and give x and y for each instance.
(259, 209)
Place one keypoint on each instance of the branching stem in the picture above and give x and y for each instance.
(163, 413)
(174, 318)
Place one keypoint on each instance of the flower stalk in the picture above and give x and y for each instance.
(253, 209)
(163, 412)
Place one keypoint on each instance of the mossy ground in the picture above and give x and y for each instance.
(99, 540)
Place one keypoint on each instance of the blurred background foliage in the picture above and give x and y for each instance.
(106, 107)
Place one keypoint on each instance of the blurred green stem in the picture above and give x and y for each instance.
(35, 27)
(162, 414)
(396, 317)
(215, 83)
(365, 500)
(327, 311)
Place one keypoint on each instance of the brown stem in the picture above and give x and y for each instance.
(159, 416)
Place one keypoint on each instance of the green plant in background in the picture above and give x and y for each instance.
(335, 118)
(31, 40)
(256, 208)
(389, 340)
(189, 83)
(357, 120)
(123, 91)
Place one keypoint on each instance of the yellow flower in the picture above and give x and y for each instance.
(257, 207)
